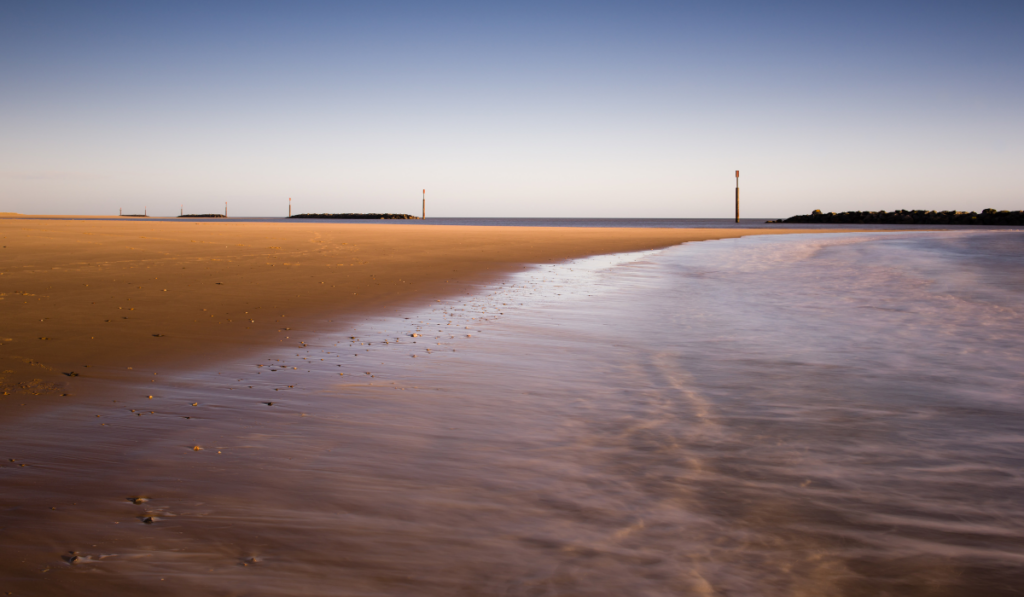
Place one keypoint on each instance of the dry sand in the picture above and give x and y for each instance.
(130, 298)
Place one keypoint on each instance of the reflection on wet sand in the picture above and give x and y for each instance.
(751, 417)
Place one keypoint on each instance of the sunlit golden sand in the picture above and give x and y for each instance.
(139, 297)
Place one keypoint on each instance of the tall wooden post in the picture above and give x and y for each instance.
(424, 205)
(737, 196)
(289, 207)
(225, 209)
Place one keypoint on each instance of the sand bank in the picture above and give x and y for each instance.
(125, 299)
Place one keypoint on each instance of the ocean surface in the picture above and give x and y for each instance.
(797, 415)
(556, 222)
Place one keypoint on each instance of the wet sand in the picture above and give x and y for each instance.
(263, 477)
(710, 419)
(124, 299)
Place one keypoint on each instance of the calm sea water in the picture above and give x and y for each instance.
(766, 416)
(567, 222)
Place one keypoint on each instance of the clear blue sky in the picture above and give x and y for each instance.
(518, 109)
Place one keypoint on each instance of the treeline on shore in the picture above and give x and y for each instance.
(987, 217)
(357, 216)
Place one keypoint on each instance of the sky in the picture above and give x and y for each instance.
(526, 109)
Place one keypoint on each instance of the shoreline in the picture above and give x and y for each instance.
(87, 299)
(273, 471)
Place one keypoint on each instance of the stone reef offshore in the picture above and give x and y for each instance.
(988, 217)
(326, 216)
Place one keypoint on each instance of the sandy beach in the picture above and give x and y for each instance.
(121, 346)
(427, 410)
(124, 299)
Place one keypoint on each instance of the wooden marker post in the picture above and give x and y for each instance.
(289, 207)
(737, 196)
(225, 209)
(424, 205)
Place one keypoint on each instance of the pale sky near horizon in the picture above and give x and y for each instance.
(640, 109)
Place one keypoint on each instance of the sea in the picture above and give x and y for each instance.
(726, 223)
(794, 415)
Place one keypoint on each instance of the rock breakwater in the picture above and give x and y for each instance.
(987, 217)
(357, 216)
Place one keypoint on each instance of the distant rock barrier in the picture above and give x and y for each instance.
(987, 217)
(357, 216)
(202, 216)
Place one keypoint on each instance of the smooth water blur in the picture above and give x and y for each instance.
(793, 415)
(550, 222)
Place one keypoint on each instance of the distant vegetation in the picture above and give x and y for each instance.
(988, 217)
(358, 216)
